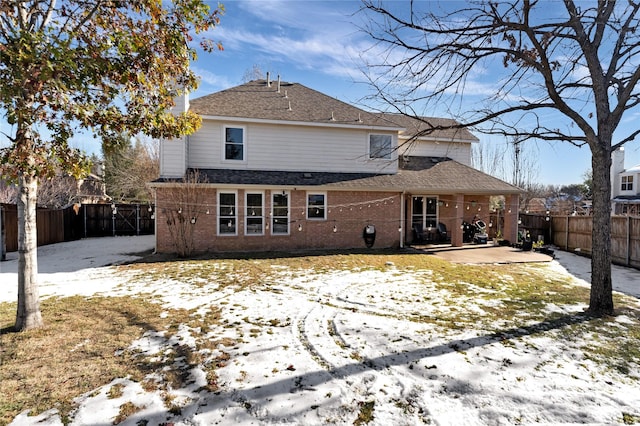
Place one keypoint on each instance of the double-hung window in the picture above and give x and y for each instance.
(380, 146)
(316, 206)
(254, 215)
(234, 143)
(280, 213)
(227, 213)
(627, 183)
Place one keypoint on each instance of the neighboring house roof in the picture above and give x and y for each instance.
(634, 169)
(440, 129)
(439, 176)
(629, 199)
(289, 102)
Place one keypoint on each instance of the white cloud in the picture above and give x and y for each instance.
(216, 81)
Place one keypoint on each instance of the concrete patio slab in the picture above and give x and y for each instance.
(486, 254)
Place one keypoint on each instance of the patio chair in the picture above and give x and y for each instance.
(443, 235)
(418, 234)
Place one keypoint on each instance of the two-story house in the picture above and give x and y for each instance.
(625, 186)
(286, 167)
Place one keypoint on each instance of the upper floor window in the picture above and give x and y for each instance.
(380, 146)
(227, 213)
(280, 213)
(627, 183)
(316, 206)
(234, 143)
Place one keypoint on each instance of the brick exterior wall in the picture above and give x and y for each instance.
(348, 212)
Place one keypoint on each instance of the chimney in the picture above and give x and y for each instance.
(617, 167)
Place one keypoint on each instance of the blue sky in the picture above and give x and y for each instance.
(317, 43)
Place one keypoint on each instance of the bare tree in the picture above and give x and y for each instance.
(183, 208)
(569, 74)
(488, 157)
(57, 192)
(255, 73)
(128, 168)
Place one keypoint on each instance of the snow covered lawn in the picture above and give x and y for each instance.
(375, 339)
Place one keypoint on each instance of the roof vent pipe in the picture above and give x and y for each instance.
(332, 117)
(290, 106)
(268, 79)
(278, 83)
(285, 94)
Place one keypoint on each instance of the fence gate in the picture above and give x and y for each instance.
(117, 219)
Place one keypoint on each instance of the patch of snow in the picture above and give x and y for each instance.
(316, 348)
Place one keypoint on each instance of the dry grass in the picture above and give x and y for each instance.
(84, 346)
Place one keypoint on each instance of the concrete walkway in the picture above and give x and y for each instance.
(625, 280)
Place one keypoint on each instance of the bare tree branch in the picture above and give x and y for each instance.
(577, 64)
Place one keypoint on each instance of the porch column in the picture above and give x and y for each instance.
(511, 204)
(456, 232)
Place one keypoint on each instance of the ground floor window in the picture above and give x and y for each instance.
(280, 213)
(254, 223)
(424, 212)
(227, 213)
(316, 206)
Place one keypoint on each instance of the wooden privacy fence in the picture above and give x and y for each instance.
(573, 233)
(538, 226)
(90, 220)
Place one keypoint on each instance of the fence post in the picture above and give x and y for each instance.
(84, 215)
(113, 220)
(566, 236)
(137, 219)
(3, 246)
(628, 241)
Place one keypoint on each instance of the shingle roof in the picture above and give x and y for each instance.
(293, 102)
(441, 176)
(431, 127)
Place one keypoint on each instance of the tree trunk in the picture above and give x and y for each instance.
(28, 314)
(601, 300)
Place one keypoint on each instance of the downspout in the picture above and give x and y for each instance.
(401, 229)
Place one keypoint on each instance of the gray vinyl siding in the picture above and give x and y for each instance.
(457, 151)
(172, 158)
(290, 148)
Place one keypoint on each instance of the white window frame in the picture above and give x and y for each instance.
(233, 216)
(371, 155)
(224, 143)
(323, 207)
(626, 183)
(251, 214)
(424, 216)
(287, 218)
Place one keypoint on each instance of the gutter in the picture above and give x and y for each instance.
(401, 229)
